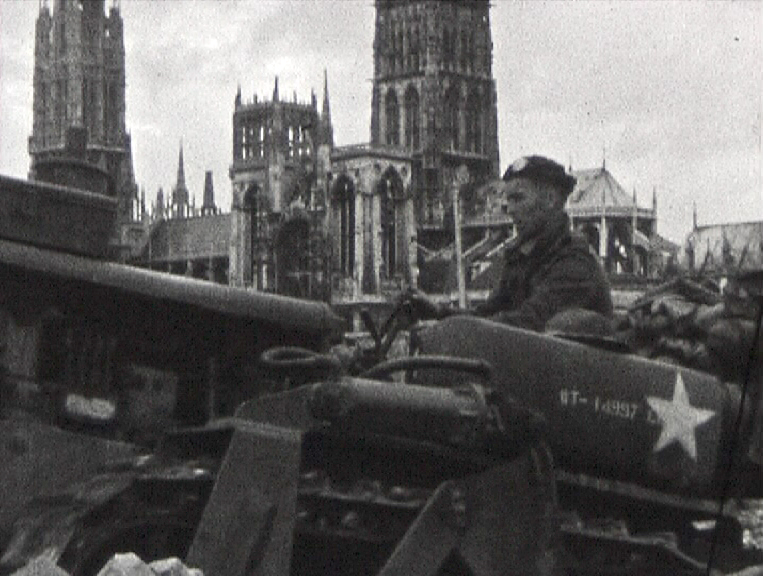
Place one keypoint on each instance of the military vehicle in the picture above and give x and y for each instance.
(502, 451)
(592, 461)
(99, 359)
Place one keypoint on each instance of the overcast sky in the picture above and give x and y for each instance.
(669, 92)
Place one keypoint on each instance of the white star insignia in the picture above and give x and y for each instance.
(679, 419)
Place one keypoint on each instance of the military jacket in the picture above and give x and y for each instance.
(544, 275)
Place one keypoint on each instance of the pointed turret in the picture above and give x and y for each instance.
(694, 217)
(159, 207)
(327, 130)
(634, 218)
(208, 206)
(181, 168)
(654, 210)
(275, 91)
(180, 193)
(326, 105)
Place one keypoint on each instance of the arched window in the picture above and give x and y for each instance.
(400, 51)
(390, 193)
(474, 123)
(471, 63)
(415, 50)
(293, 258)
(464, 50)
(452, 118)
(389, 53)
(412, 118)
(423, 44)
(408, 50)
(447, 56)
(393, 118)
(344, 211)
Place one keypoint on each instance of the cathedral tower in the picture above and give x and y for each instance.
(79, 82)
(280, 151)
(434, 95)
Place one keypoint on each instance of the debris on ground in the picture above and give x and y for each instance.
(128, 564)
(40, 566)
(695, 324)
(751, 518)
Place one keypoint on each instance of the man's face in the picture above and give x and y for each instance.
(528, 204)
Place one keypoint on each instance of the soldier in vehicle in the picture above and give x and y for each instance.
(547, 268)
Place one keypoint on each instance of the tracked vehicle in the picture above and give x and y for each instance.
(99, 359)
(491, 463)
(502, 452)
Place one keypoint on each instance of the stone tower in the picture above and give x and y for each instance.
(280, 151)
(434, 95)
(79, 82)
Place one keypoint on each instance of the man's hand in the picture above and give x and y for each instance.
(419, 306)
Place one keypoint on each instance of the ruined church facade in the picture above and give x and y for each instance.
(434, 96)
(350, 224)
(281, 158)
(433, 130)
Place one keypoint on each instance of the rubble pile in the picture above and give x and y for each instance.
(751, 518)
(697, 324)
(119, 565)
(702, 325)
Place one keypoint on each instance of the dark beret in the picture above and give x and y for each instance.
(541, 169)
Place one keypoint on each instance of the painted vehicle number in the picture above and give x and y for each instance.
(616, 408)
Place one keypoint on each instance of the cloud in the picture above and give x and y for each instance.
(671, 89)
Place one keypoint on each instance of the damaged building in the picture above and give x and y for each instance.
(79, 82)
(350, 225)
(357, 216)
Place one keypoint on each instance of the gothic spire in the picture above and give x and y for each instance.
(326, 105)
(275, 91)
(180, 194)
(694, 216)
(181, 169)
(159, 207)
(654, 200)
(328, 129)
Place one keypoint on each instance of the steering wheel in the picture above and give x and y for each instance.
(303, 363)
